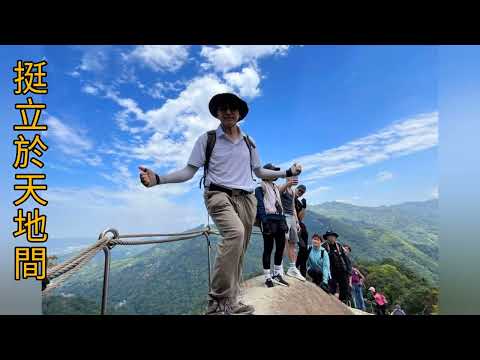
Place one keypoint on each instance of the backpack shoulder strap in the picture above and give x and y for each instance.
(211, 139)
(251, 145)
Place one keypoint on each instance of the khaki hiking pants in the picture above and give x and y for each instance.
(234, 217)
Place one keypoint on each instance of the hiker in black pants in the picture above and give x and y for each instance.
(273, 226)
(300, 206)
(340, 266)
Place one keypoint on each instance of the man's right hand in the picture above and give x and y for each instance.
(147, 177)
(290, 182)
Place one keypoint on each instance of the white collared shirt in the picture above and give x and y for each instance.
(230, 161)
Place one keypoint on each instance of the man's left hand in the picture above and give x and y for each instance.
(294, 170)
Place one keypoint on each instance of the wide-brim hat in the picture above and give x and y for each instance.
(330, 233)
(230, 99)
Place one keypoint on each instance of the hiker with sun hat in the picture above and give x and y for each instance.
(229, 158)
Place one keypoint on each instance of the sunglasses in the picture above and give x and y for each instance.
(226, 107)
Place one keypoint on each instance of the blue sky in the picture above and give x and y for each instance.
(363, 120)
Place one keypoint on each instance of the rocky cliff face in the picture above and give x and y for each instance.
(300, 298)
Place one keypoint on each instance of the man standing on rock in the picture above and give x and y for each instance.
(340, 266)
(229, 158)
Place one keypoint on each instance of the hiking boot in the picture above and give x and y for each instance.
(241, 309)
(277, 279)
(215, 308)
(269, 283)
(295, 273)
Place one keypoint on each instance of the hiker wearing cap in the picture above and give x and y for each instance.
(273, 226)
(288, 203)
(300, 207)
(318, 264)
(340, 266)
(229, 158)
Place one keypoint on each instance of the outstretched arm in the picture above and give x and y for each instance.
(267, 174)
(150, 178)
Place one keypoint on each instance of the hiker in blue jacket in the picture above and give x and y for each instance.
(318, 264)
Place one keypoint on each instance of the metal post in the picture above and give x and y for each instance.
(209, 267)
(106, 273)
(106, 268)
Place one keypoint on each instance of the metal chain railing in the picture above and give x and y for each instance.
(57, 274)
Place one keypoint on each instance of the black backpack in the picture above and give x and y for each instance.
(258, 222)
(338, 261)
(211, 139)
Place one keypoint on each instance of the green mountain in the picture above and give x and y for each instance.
(172, 278)
(416, 222)
(407, 232)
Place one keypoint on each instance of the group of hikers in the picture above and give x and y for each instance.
(280, 214)
(230, 159)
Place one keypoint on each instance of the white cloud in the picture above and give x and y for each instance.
(93, 59)
(160, 57)
(160, 89)
(72, 142)
(435, 192)
(316, 195)
(317, 190)
(227, 57)
(402, 138)
(174, 126)
(74, 74)
(384, 176)
(89, 89)
(246, 81)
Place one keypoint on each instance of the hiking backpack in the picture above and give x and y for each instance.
(211, 139)
(338, 261)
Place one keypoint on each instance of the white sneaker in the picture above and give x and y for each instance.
(282, 272)
(294, 272)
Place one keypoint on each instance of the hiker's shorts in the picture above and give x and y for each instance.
(292, 235)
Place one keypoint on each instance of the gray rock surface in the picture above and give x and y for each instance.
(300, 298)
